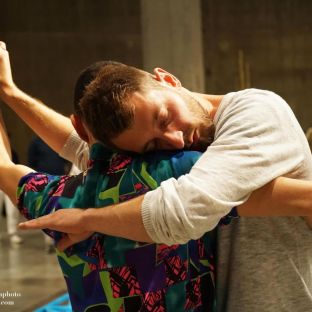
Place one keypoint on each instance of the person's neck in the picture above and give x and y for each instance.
(210, 102)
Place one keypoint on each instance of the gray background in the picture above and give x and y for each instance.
(215, 46)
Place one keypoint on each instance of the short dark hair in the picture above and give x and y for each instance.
(86, 76)
(105, 107)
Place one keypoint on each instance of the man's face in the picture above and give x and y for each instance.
(165, 119)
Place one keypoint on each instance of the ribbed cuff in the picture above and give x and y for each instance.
(69, 149)
(147, 218)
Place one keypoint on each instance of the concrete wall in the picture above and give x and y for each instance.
(264, 44)
(50, 41)
(172, 39)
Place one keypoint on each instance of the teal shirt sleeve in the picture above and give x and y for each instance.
(33, 194)
(39, 195)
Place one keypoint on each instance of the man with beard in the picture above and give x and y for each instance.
(108, 273)
(256, 139)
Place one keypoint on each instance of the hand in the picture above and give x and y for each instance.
(6, 80)
(69, 221)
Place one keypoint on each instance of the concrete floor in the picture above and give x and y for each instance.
(29, 270)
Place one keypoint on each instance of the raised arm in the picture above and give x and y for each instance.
(10, 174)
(41, 119)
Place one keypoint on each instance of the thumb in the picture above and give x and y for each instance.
(64, 243)
(71, 239)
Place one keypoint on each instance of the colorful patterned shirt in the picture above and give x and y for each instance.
(107, 273)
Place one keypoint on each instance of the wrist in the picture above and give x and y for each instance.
(88, 220)
(8, 91)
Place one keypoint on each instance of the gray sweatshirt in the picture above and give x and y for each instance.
(264, 264)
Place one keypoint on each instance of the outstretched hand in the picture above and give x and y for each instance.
(69, 221)
(6, 80)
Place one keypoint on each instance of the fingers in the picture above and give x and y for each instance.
(3, 50)
(40, 223)
(2, 45)
(63, 220)
(6, 80)
(64, 243)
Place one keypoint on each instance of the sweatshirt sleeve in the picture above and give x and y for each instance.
(256, 141)
(76, 151)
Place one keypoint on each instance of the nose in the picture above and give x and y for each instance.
(172, 139)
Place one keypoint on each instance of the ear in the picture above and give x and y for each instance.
(79, 127)
(166, 78)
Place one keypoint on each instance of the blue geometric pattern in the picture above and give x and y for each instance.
(106, 273)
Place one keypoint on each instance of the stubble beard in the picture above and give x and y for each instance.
(202, 123)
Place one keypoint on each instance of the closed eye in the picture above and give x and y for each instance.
(164, 118)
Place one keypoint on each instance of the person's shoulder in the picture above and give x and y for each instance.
(253, 99)
(247, 110)
(171, 163)
(252, 91)
(166, 155)
(251, 94)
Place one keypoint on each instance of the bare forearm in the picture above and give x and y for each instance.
(123, 220)
(5, 147)
(52, 127)
(281, 197)
(10, 174)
